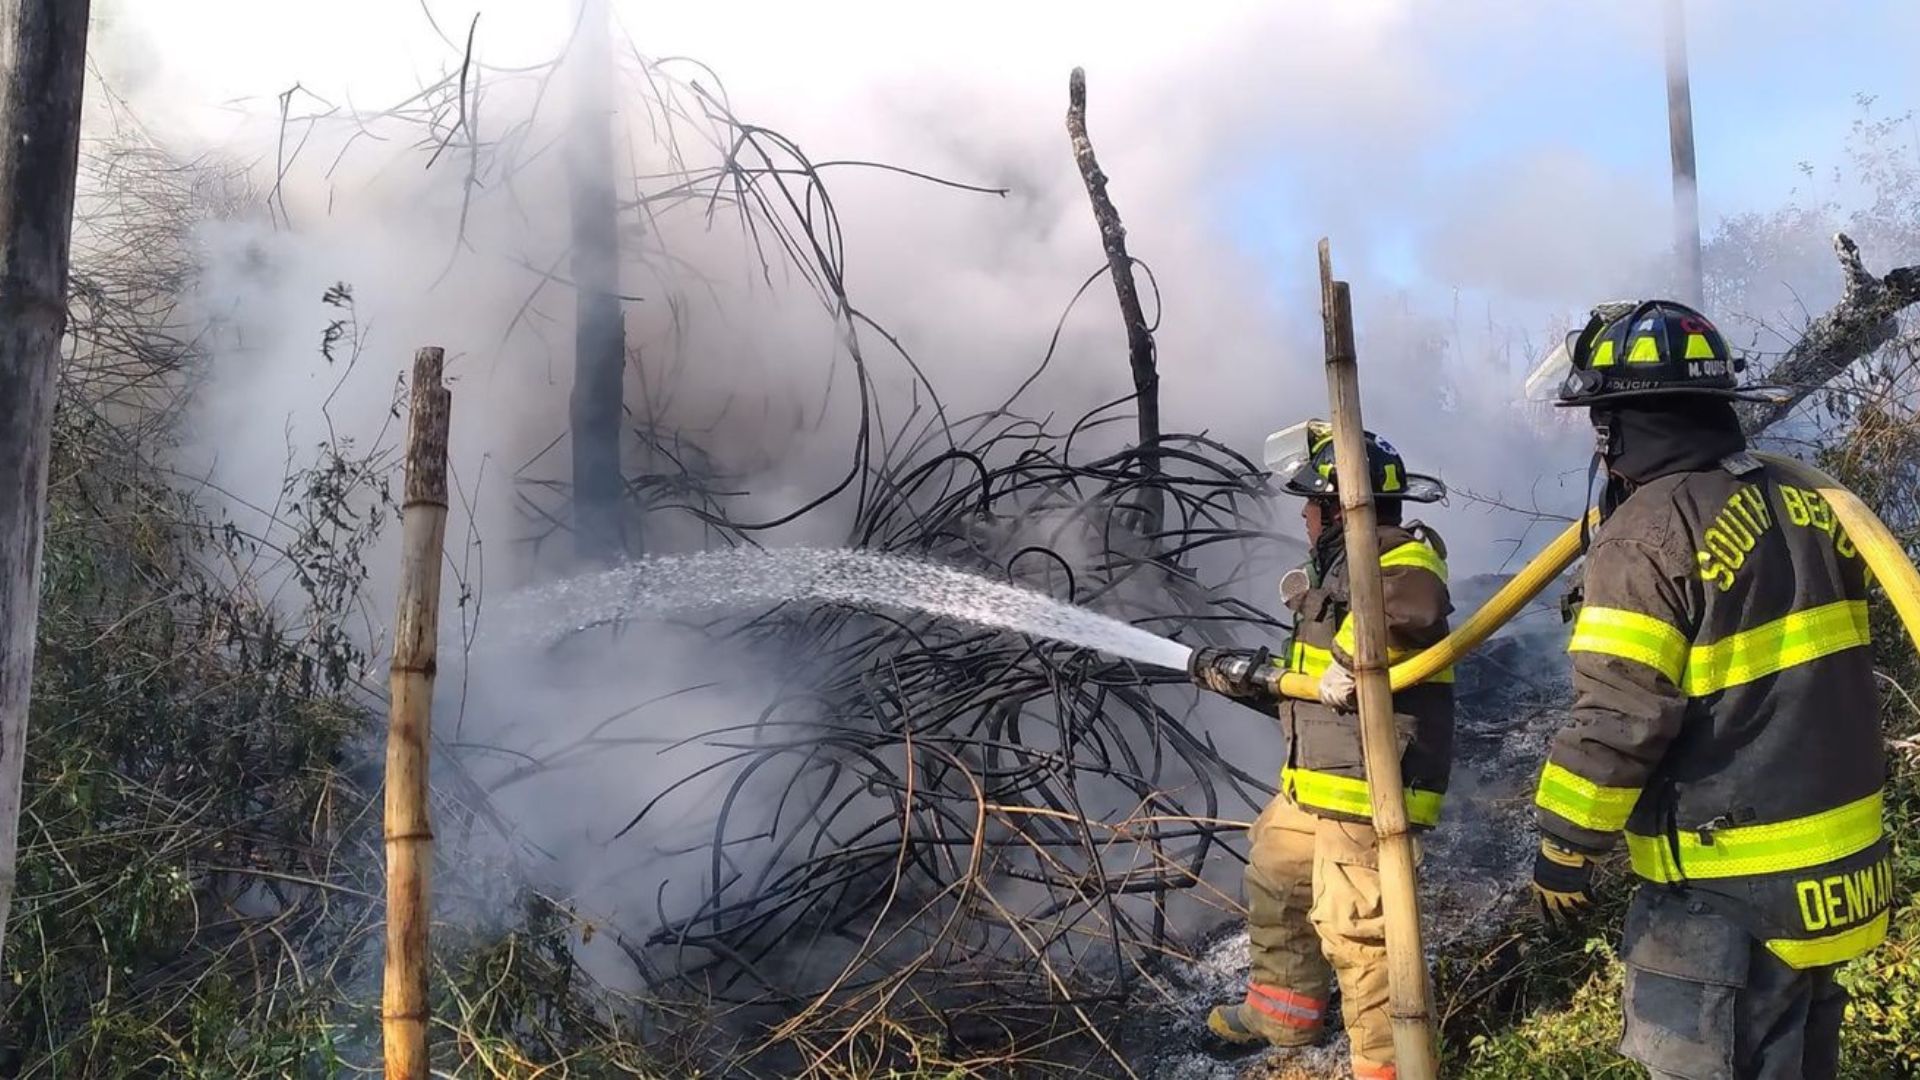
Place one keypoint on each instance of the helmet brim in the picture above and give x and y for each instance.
(1756, 394)
(1420, 489)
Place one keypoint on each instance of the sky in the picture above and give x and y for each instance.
(1505, 88)
(1773, 85)
(1474, 162)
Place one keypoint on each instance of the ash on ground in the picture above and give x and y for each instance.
(1513, 693)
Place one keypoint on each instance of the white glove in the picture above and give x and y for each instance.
(1336, 688)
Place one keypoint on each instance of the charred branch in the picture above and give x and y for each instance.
(1857, 326)
(1140, 346)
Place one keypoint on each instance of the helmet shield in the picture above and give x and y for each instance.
(1291, 448)
(1546, 379)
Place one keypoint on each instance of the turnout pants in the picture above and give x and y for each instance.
(1705, 1000)
(1314, 914)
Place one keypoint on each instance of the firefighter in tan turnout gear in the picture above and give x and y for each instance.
(1724, 719)
(1313, 883)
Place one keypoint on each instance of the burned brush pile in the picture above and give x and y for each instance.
(943, 844)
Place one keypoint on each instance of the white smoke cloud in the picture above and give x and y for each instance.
(1234, 133)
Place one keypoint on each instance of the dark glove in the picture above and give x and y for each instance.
(1562, 885)
(1235, 673)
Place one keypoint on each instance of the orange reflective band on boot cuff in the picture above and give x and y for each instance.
(1291, 1009)
(1364, 1071)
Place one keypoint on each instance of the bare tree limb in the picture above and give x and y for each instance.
(1860, 323)
(1140, 347)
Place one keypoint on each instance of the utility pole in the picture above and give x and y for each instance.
(1408, 1004)
(600, 335)
(43, 54)
(1686, 187)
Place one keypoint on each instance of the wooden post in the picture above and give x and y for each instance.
(403, 1014)
(43, 49)
(1413, 1044)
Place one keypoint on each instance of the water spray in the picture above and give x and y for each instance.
(745, 579)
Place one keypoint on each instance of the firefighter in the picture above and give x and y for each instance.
(1724, 719)
(1312, 880)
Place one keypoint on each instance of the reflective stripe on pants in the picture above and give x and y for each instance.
(1314, 914)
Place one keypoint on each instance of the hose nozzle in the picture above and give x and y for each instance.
(1235, 672)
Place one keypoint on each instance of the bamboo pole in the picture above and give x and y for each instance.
(1413, 1045)
(409, 834)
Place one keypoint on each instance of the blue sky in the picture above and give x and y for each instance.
(1774, 84)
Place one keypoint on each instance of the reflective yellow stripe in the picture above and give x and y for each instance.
(1644, 351)
(1832, 949)
(1349, 795)
(1799, 638)
(1745, 850)
(1344, 638)
(1583, 802)
(1603, 354)
(1416, 553)
(1310, 660)
(1698, 347)
(1630, 636)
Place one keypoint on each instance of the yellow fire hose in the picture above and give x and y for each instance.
(1876, 544)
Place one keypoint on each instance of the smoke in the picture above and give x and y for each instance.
(1197, 120)
(1234, 134)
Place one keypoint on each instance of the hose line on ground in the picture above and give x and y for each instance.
(1875, 542)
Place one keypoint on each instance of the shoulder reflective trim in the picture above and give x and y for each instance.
(1416, 553)
(1581, 801)
(1748, 850)
(1630, 635)
(1349, 795)
(1799, 638)
(1832, 949)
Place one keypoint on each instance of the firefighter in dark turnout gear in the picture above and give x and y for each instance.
(1724, 719)
(1312, 880)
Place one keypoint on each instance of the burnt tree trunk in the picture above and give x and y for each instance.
(1140, 347)
(44, 45)
(600, 339)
